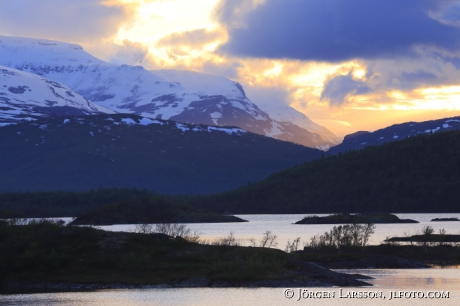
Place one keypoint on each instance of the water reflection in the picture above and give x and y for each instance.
(385, 281)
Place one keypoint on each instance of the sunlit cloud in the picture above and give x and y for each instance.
(337, 79)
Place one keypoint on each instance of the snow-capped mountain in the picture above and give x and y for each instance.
(363, 139)
(183, 96)
(285, 113)
(223, 102)
(26, 96)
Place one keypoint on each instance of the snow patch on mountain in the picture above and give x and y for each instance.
(203, 83)
(32, 53)
(182, 127)
(25, 95)
(147, 121)
(229, 131)
(128, 121)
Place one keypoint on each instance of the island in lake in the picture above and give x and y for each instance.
(360, 218)
(150, 210)
(445, 219)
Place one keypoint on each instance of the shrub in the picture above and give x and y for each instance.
(230, 240)
(350, 235)
(170, 229)
(292, 246)
(268, 240)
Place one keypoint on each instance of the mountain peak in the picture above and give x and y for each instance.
(19, 52)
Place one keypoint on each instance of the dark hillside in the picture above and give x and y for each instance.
(127, 151)
(417, 174)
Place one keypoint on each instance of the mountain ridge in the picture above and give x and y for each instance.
(362, 139)
(123, 150)
(132, 89)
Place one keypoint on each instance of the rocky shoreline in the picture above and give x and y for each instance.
(315, 275)
(41, 287)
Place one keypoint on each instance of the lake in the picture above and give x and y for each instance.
(387, 282)
(282, 226)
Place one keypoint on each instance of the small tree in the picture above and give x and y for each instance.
(143, 228)
(426, 232)
(292, 246)
(230, 240)
(442, 236)
(268, 240)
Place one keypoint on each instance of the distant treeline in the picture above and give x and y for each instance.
(64, 204)
(417, 174)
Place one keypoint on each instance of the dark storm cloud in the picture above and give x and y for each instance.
(338, 88)
(337, 30)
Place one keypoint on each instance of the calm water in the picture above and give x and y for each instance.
(283, 227)
(385, 281)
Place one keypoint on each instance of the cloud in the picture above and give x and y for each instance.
(129, 53)
(227, 68)
(65, 20)
(412, 73)
(267, 96)
(232, 12)
(338, 88)
(338, 30)
(193, 39)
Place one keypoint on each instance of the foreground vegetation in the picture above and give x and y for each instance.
(345, 246)
(45, 251)
(38, 253)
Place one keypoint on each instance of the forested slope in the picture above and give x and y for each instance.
(417, 174)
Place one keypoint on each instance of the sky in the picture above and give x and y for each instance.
(349, 65)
